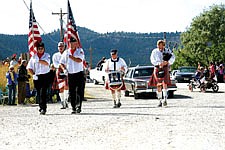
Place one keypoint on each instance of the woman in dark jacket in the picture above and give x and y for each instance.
(22, 80)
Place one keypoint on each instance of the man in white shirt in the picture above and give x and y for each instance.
(72, 64)
(62, 80)
(161, 58)
(115, 63)
(39, 67)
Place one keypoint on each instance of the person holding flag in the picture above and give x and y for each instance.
(39, 67)
(72, 64)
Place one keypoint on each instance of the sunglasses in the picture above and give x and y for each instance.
(40, 48)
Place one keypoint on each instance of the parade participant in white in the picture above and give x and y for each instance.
(62, 81)
(161, 58)
(72, 64)
(116, 63)
(39, 67)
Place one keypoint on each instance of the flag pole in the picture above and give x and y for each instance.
(32, 15)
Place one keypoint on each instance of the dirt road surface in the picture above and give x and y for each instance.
(192, 120)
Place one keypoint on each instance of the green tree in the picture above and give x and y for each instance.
(204, 40)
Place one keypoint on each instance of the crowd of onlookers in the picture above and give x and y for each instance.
(18, 78)
(215, 69)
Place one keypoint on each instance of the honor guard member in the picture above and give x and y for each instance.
(62, 79)
(72, 64)
(39, 67)
(116, 63)
(161, 58)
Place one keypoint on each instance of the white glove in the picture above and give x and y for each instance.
(35, 77)
(65, 72)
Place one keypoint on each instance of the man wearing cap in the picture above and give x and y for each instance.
(62, 79)
(115, 63)
(72, 64)
(11, 77)
(39, 67)
(161, 58)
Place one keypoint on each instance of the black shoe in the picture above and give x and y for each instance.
(42, 112)
(115, 106)
(78, 110)
(119, 104)
(74, 112)
(160, 104)
(165, 103)
(63, 108)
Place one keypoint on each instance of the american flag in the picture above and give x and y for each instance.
(71, 28)
(34, 34)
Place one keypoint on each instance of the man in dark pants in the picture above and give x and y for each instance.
(38, 66)
(72, 64)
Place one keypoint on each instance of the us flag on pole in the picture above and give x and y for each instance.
(34, 34)
(71, 28)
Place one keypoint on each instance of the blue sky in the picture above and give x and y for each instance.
(103, 16)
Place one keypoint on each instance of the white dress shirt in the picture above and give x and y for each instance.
(120, 63)
(56, 59)
(157, 56)
(72, 66)
(37, 67)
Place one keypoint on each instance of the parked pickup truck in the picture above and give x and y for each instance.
(136, 81)
(97, 75)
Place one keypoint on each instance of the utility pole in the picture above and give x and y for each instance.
(61, 22)
(90, 49)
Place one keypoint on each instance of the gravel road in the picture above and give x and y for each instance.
(192, 120)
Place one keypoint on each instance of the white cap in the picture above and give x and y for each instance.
(60, 44)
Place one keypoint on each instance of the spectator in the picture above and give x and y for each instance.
(11, 76)
(99, 64)
(22, 81)
(220, 74)
(13, 61)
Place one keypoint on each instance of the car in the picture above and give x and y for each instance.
(137, 79)
(173, 74)
(98, 74)
(185, 73)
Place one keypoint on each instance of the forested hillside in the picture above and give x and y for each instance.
(135, 48)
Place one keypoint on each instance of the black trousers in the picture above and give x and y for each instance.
(41, 86)
(76, 83)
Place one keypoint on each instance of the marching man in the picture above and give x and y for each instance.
(62, 80)
(116, 63)
(161, 58)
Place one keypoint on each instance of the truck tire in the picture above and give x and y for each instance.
(136, 96)
(95, 81)
(171, 94)
(126, 93)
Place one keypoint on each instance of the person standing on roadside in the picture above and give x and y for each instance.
(22, 81)
(72, 65)
(11, 76)
(39, 67)
(62, 79)
(161, 58)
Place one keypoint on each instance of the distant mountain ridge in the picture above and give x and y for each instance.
(135, 48)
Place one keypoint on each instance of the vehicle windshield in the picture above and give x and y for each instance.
(187, 70)
(141, 72)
